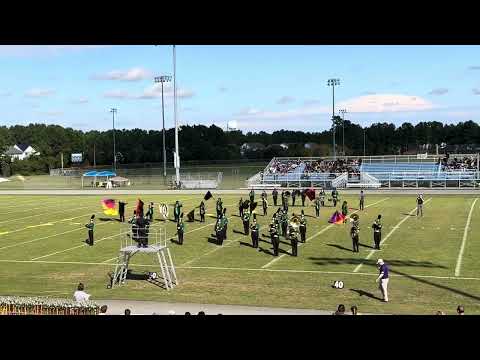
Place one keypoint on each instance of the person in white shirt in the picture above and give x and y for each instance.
(80, 294)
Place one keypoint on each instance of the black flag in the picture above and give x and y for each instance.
(246, 204)
(191, 216)
(253, 206)
(207, 196)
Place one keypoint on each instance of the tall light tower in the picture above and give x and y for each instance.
(343, 111)
(333, 83)
(177, 155)
(163, 79)
(114, 111)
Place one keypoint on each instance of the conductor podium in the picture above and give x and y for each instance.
(150, 240)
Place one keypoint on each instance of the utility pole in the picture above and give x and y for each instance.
(114, 111)
(333, 83)
(177, 154)
(161, 80)
(343, 111)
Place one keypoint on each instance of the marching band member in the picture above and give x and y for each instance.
(202, 212)
(176, 211)
(303, 227)
(275, 196)
(90, 226)
(254, 231)
(317, 207)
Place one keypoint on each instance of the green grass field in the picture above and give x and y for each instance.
(42, 253)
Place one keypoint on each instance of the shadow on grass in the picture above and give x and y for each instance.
(246, 244)
(215, 241)
(409, 214)
(366, 293)
(339, 247)
(367, 246)
(440, 286)
(239, 232)
(108, 219)
(390, 262)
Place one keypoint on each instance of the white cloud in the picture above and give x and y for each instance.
(285, 100)
(438, 91)
(312, 102)
(32, 50)
(80, 100)
(51, 113)
(117, 94)
(378, 103)
(155, 91)
(39, 92)
(249, 111)
(133, 74)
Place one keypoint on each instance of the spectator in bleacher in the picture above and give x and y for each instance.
(127, 312)
(460, 310)
(103, 310)
(354, 310)
(80, 294)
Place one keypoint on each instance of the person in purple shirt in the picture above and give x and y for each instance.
(383, 278)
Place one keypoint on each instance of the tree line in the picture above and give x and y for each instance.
(208, 143)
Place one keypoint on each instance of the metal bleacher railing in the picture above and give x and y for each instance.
(374, 171)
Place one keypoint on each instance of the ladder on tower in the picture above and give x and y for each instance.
(158, 249)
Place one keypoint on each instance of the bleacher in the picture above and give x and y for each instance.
(374, 172)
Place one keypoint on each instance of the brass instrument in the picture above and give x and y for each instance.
(295, 222)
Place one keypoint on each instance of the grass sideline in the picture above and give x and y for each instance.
(423, 255)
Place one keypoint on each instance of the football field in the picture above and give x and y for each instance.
(433, 259)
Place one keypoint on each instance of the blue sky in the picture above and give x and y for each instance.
(255, 87)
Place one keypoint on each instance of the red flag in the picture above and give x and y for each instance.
(310, 194)
(139, 209)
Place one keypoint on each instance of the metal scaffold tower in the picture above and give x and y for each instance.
(155, 239)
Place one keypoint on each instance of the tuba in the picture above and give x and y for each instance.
(294, 222)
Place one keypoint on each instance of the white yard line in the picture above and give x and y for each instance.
(75, 247)
(46, 237)
(227, 243)
(44, 214)
(47, 223)
(56, 203)
(318, 233)
(105, 238)
(240, 269)
(464, 240)
(388, 235)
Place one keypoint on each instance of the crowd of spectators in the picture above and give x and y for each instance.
(281, 167)
(467, 163)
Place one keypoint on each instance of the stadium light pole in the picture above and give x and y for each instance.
(343, 111)
(177, 155)
(114, 111)
(333, 83)
(163, 79)
(364, 136)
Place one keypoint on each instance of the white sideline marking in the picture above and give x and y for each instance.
(47, 237)
(43, 214)
(75, 247)
(388, 235)
(318, 233)
(464, 240)
(56, 203)
(48, 223)
(240, 269)
(227, 243)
